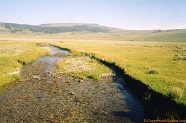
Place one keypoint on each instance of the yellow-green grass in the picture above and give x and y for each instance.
(126, 35)
(13, 55)
(152, 63)
(145, 55)
(82, 67)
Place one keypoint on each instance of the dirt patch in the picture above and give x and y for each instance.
(77, 64)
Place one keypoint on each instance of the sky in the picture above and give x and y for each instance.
(124, 14)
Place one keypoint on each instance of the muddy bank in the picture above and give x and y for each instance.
(156, 105)
(44, 96)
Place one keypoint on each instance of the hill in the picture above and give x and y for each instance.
(55, 28)
(70, 24)
(84, 31)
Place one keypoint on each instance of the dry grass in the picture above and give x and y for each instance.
(82, 67)
(145, 55)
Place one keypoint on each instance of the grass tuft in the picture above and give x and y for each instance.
(176, 92)
(152, 72)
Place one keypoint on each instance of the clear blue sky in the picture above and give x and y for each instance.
(125, 14)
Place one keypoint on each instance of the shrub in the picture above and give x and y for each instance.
(152, 72)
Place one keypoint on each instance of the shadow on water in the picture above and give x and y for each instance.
(41, 93)
(155, 105)
(141, 98)
(135, 109)
(136, 112)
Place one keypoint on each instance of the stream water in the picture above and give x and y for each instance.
(43, 95)
(136, 109)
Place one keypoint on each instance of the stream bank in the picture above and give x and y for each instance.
(44, 95)
(156, 105)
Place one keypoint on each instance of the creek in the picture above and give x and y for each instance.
(44, 95)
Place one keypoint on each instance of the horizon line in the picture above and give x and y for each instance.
(124, 29)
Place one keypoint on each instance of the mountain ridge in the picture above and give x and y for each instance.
(68, 24)
(54, 28)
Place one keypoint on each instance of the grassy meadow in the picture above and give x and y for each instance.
(157, 58)
(159, 65)
(13, 55)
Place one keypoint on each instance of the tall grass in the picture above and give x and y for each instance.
(176, 92)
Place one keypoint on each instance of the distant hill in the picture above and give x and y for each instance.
(90, 31)
(56, 28)
(70, 24)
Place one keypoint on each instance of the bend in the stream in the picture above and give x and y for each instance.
(136, 112)
(45, 63)
(139, 96)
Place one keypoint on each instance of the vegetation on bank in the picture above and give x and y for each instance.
(13, 55)
(155, 64)
(82, 67)
(148, 56)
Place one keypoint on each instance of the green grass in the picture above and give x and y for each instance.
(155, 57)
(152, 63)
(176, 92)
(82, 67)
(14, 55)
(29, 56)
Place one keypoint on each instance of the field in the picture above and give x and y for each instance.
(159, 65)
(157, 58)
(13, 55)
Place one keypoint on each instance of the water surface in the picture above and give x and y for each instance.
(44, 95)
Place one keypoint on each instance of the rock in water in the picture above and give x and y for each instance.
(37, 77)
